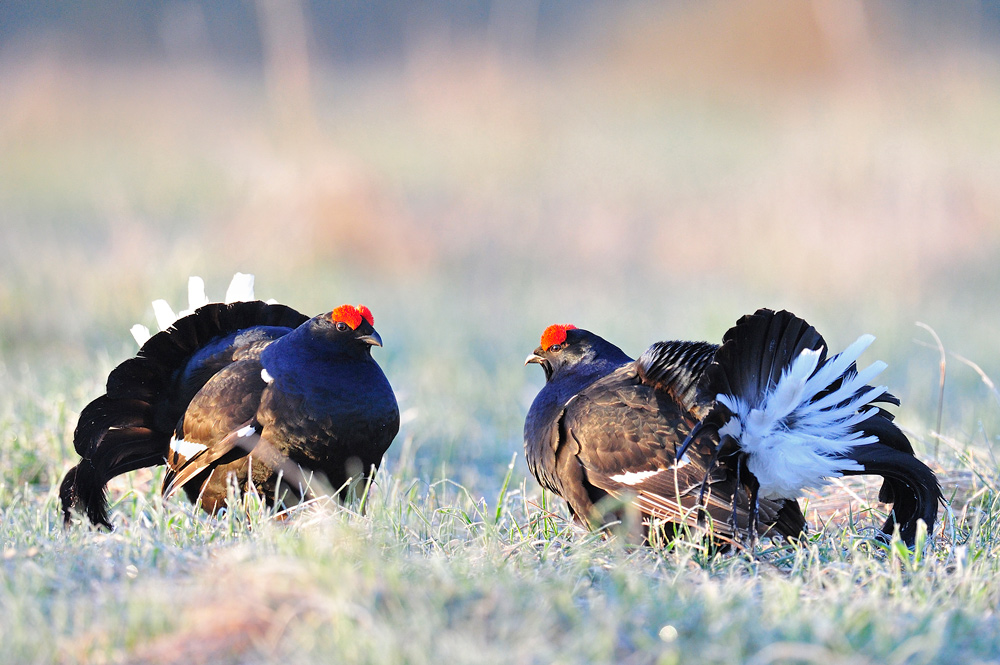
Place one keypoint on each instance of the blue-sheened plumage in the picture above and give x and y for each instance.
(240, 394)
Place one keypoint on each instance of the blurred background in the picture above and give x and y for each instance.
(476, 170)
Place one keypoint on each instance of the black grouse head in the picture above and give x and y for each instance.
(348, 327)
(565, 347)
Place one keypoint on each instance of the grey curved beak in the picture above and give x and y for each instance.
(372, 339)
(536, 357)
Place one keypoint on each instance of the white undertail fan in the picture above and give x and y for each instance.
(240, 290)
(130, 426)
(791, 418)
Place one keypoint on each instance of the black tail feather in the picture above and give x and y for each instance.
(104, 413)
(755, 352)
(82, 489)
(892, 491)
(909, 483)
(130, 426)
(108, 452)
(791, 521)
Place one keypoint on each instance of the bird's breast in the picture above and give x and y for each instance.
(314, 410)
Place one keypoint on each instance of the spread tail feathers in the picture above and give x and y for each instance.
(794, 412)
(800, 417)
(240, 290)
(130, 426)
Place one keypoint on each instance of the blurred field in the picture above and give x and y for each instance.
(648, 172)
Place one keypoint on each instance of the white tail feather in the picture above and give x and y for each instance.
(140, 333)
(196, 295)
(240, 289)
(794, 441)
(164, 314)
(838, 364)
(788, 393)
(850, 386)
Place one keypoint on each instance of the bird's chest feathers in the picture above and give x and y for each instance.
(317, 399)
(553, 398)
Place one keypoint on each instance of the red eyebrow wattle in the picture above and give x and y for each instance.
(348, 314)
(366, 314)
(555, 334)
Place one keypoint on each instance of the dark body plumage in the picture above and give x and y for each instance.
(239, 392)
(605, 425)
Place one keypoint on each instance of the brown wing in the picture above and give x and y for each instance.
(625, 435)
(219, 426)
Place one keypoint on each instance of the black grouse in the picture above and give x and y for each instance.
(238, 393)
(693, 433)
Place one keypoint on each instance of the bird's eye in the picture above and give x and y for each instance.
(555, 347)
(341, 326)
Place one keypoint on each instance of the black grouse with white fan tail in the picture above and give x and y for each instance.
(604, 432)
(694, 434)
(238, 394)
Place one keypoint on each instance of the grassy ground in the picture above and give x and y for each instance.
(471, 202)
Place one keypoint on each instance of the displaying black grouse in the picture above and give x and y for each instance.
(239, 393)
(692, 432)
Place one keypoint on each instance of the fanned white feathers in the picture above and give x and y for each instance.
(240, 290)
(794, 440)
